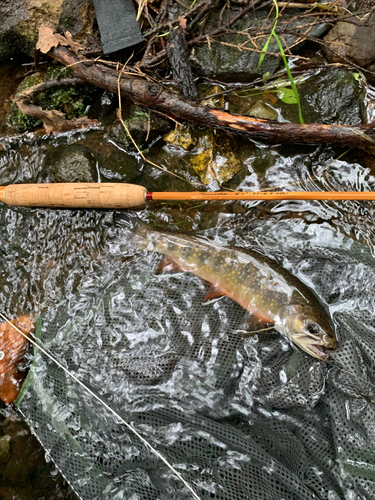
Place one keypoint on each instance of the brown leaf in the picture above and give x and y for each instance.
(182, 22)
(48, 39)
(13, 346)
(75, 46)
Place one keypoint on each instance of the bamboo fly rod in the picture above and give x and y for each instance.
(117, 195)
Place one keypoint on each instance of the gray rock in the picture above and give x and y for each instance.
(21, 19)
(75, 163)
(223, 60)
(333, 96)
(355, 42)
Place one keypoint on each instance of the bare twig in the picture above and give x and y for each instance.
(154, 61)
(119, 116)
(29, 94)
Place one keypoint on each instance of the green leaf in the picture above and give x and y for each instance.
(264, 50)
(287, 95)
(265, 77)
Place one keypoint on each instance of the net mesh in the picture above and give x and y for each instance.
(240, 415)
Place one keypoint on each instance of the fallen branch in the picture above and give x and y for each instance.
(53, 120)
(155, 96)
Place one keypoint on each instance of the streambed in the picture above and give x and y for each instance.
(68, 260)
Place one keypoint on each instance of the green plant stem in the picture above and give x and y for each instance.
(285, 61)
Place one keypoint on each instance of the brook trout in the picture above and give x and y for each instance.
(272, 295)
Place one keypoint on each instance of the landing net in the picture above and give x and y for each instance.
(240, 416)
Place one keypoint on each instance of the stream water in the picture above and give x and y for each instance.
(78, 268)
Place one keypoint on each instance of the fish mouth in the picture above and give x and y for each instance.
(318, 351)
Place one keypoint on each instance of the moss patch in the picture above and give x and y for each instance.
(73, 101)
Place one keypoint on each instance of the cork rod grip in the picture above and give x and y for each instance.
(79, 195)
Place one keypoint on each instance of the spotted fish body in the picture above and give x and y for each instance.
(271, 295)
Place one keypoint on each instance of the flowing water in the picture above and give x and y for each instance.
(190, 376)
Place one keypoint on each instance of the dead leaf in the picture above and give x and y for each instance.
(75, 46)
(48, 39)
(13, 346)
(182, 22)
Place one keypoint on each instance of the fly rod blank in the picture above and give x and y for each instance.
(263, 195)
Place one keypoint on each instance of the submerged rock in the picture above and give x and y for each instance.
(333, 96)
(25, 474)
(4, 449)
(143, 125)
(75, 163)
(212, 156)
(120, 166)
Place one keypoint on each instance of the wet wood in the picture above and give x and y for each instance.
(155, 96)
(178, 57)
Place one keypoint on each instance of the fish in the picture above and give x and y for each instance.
(13, 347)
(270, 293)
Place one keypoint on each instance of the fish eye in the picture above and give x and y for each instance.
(313, 328)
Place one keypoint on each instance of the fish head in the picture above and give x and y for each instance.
(308, 327)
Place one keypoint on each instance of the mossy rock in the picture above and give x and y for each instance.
(212, 155)
(72, 101)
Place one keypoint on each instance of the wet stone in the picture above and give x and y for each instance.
(212, 156)
(352, 40)
(333, 96)
(120, 166)
(75, 163)
(235, 57)
(21, 19)
(143, 125)
(262, 111)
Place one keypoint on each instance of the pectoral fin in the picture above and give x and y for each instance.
(167, 265)
(255, 325)
(214, 292)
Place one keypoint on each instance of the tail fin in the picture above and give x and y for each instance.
(127, 219)
(135, 224)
